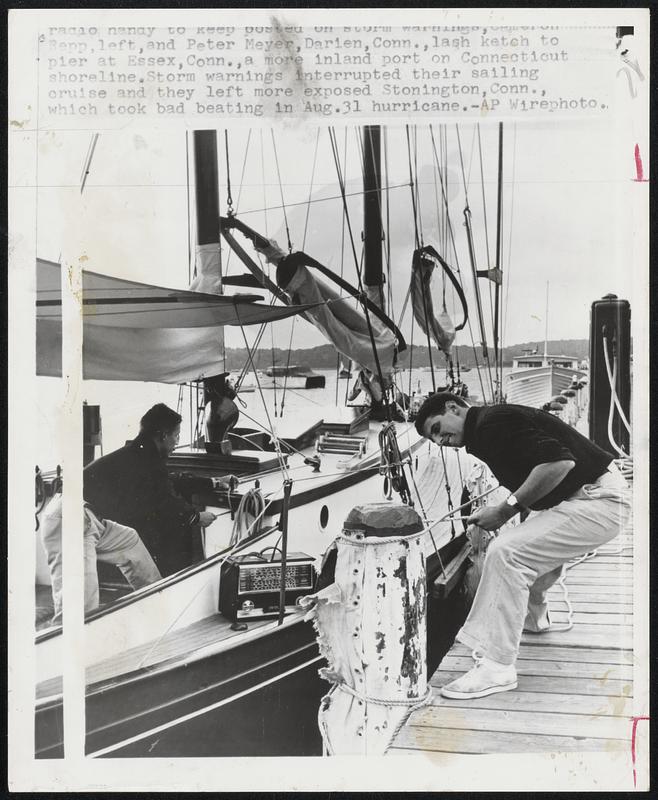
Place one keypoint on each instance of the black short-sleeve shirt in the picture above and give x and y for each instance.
(512, 440)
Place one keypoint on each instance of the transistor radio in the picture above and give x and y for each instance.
(249, 585)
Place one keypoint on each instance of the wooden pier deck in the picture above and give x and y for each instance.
(574, 687)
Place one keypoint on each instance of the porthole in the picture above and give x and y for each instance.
(324, 516)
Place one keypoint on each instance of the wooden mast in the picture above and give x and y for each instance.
(372, 215)
(206, 187)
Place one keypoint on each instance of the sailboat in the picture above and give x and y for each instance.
(217, 659)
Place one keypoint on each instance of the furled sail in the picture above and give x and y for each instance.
(134, 331)
(428, 297)
(342, 322)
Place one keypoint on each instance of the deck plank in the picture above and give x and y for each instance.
(559, 654)
(519, 700)
(552, 684)
(561, 669)
(575, 686)
(486, 719)
(454, 740)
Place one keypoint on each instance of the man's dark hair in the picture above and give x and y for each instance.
(436, 404)
(159, 419)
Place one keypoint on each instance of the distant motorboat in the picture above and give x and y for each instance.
(535, 379)
(294, 376)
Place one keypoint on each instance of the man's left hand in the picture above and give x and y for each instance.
(490, 517)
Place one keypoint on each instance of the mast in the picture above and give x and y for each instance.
(546, 330)
(208, 264)
(372, 215)
(206, 187)
(499, 263)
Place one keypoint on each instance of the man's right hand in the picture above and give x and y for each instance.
(206, 518)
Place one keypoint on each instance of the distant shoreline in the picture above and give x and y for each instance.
(325, 357)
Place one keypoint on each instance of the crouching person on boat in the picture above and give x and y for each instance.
(582, 502)
(104, 540)
(132, 486)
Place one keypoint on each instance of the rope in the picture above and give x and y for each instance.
(251, 504)
(613, 382)
(346, 535)
(377, 701)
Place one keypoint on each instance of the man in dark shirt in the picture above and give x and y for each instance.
(548, 467)
(132, 487)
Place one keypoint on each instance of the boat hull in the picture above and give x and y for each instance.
(535, 386)
(259, 698)
(293, 382)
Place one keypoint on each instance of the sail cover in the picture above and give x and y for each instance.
(336, 316)
(428, 297)
(135, 331)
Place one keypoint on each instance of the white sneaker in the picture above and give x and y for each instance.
(486, 677)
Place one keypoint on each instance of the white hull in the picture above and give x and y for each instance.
(320, 502)
(535, 386)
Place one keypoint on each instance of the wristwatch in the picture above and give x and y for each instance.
(514, 503)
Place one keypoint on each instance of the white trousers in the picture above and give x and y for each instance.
(524, 562)
(104, 540)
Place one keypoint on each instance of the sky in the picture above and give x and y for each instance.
(563, 190)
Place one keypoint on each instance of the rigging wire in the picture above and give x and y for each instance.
(275, 439)
(241, 185)
(334, 147)
(387, 249)
(471, 247)
(229, 197)
(509, 243)
(342, 263)
(283, 205)
(418, 240)
(450, 231)
(87, 162)
(486, 218)
(327, 199)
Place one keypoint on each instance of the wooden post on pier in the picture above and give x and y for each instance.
(371, 624)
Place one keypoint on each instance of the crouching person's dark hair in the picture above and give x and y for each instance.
(435, 404)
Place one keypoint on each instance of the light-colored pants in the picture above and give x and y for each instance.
(104, 540)
(524, 562)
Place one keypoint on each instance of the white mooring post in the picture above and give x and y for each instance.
(371, 625)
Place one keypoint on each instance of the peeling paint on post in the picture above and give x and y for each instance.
(371, 625)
